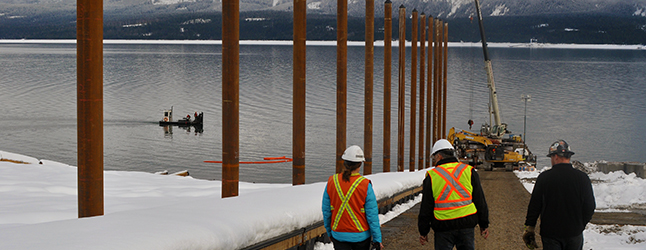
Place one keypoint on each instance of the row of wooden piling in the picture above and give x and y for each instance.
(432, 94)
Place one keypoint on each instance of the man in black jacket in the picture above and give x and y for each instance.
(460, 205)
(564, 200)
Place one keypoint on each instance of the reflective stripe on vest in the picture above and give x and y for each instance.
(345, 204)
(452, 191)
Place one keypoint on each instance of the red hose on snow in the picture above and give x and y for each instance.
(266, 160)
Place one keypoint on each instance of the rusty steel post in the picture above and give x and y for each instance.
(230, 97)
(422, 58)
(369, 71)
(388, 39)
(299, 61)
(429, 91)
(402, 89)
(413, 92)
(89, 65)
(444, 85)
(341, 80)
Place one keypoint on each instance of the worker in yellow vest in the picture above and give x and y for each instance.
(350, 210)
(453, 202)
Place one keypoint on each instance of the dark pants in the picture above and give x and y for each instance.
(462, 239)
(340, 245)
(574, 243)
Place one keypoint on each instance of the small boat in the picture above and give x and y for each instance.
(167, 119)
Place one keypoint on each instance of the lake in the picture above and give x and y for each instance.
(592, 98)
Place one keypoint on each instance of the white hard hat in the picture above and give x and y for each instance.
(442, 144)
(354, 154)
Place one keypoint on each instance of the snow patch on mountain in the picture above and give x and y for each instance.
(457, 5)
(314, 5)
(640, 12)
(500, 10)
(169, 2)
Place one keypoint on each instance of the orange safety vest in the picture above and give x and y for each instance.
(347, 200)
(452, 191)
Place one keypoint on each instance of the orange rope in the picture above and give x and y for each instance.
(267, 160)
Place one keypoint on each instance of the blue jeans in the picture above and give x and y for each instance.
(462, 239)
(573, 243)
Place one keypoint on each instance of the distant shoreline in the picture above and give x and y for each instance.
(333, 43)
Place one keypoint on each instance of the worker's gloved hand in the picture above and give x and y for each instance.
(529, 237)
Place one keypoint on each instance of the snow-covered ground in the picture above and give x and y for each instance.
(38, 209)
(613, 192)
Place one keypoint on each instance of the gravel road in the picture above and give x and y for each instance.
(507, 200)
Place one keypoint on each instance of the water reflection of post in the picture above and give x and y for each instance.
(413, 92)
(369, 68)
(168, 131)
(422, 54)
(429, 91)
(388, 25)
(89, 29)
(402, 88)
(230, 97)
(298, 131)
(341, 80)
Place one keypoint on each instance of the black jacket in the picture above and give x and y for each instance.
(426, 219)
(564, 199)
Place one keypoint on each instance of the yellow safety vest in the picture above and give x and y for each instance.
(347, 200)
(451, 183)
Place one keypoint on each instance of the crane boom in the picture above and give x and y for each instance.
(490, 81)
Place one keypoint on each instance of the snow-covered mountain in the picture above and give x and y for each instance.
(436, 8)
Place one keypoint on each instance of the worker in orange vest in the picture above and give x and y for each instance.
(350, 210)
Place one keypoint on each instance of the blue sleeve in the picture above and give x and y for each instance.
(327, 212)
(372, 214)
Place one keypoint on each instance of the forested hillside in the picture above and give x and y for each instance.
(277, 25)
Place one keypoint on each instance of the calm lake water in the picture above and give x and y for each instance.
(594, 99)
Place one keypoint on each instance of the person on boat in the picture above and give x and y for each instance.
(350, 210)
(188, 117)
(564, 200)
(453, 202)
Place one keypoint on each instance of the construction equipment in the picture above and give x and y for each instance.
(489, 148)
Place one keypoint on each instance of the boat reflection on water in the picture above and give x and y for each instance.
(168, 129)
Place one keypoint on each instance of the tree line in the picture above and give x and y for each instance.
(277, 25)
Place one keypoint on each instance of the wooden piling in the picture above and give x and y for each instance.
(388, 24)
(440, 79)
(413, 92)
(89, 64)
(435, 79)
(369, 73)
(402, 89)
(444, 85)
(422, 54)
(230, 97)
(341, 80)
(429, 91)
(299, 79)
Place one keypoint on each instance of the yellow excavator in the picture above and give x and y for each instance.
(490, 149)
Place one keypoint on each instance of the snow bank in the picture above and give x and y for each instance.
(38, 206)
